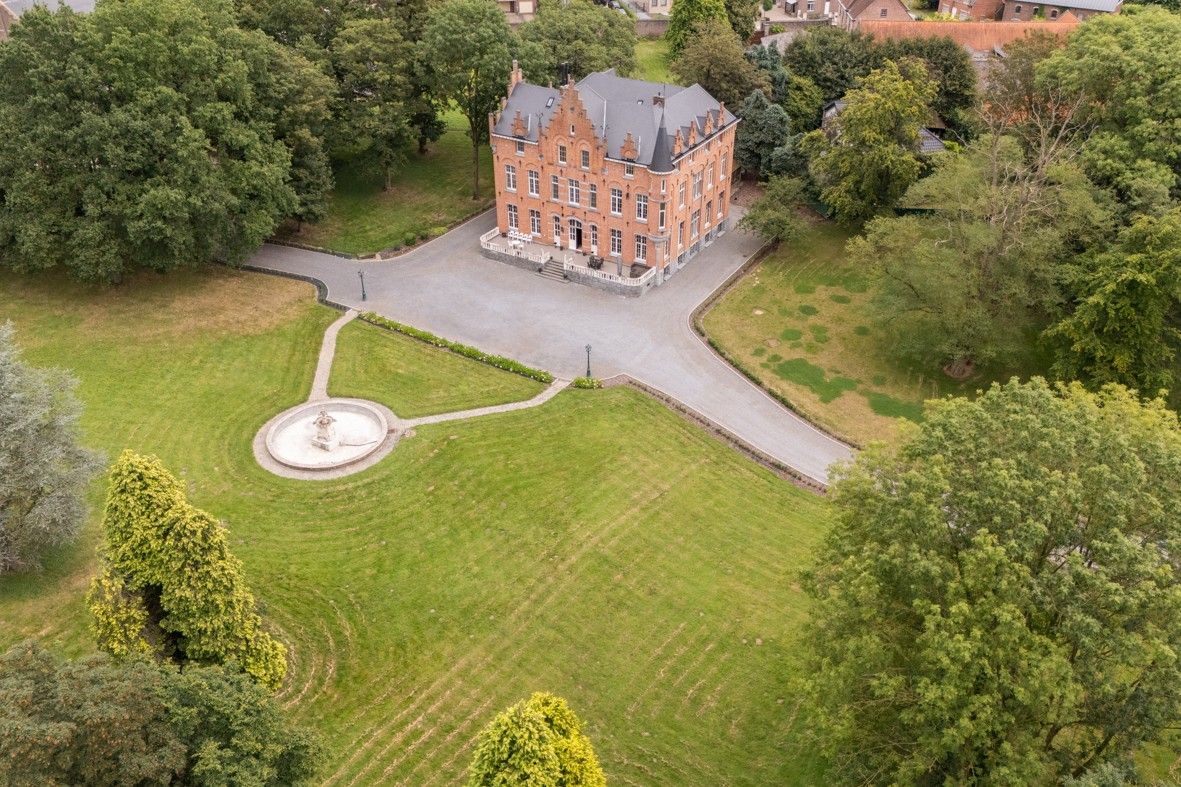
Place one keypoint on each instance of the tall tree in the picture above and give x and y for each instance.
(968, 282)
(764, 127)
(869, 157)
(999, 598)
(949, 67)
(1123, 327)
(583, 35)
(775, 215)
(713, 58)
(833, 58)
(45, 470)
(371, 62)
(168, 585)
(469, 44)
(538, 741)
(1128, 67)
(741, 15)
(94, 721)
(686, 16)
(137, 136)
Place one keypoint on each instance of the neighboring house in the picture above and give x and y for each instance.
(518, 11)
(7, 17)
(635, 172)
(10, 10)
(1025, 11)
(983, 10)
(930, 135)
(846, 13)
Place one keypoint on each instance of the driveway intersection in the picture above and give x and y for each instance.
(447, 287)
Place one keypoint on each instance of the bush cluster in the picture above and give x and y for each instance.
(587, 382)
(499, 361)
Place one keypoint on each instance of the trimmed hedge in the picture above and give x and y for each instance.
(499, 361)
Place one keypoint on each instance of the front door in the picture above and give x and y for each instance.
(575, 234)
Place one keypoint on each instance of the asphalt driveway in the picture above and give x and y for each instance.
(447, 287)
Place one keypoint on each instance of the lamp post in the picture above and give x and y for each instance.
(588, 372)
(361, 274)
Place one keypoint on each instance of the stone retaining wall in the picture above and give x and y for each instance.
(524, 263)
(587, 278)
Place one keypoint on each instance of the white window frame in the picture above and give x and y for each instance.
(514, 217)
(510, 177)
(616, 202)
(629, 170)
(594, 196)
(641, 207)
(681, 193)
(594, 237)
(616, 243)
(584, 159)
(520, 148)
(573, 191)
(661, 216)
(555, 188)
(694, 224)
(534, 183)
(535, 223)
(561, 154)
(641, 248)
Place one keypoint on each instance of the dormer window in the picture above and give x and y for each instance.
(561, 154)
(629, 170)
(520, 148)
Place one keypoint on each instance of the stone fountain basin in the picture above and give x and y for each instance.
(360, 430)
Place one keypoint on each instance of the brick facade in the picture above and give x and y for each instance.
(566, 189)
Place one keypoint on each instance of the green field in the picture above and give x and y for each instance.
(652, 60)
(799, 321)
(429, 193)
(414, 379)
(600, 546)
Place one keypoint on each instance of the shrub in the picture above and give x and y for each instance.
(499, 361)
(587, 382)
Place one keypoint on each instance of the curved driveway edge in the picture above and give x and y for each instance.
(447, 287)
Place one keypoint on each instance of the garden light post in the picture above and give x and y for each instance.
(361, 274)
(588, 373)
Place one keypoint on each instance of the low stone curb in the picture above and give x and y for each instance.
(384, 254)
(780, 469)
(698, 313)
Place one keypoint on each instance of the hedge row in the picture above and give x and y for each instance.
(587, 382)
(499, 361)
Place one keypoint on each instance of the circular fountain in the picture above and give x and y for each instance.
(330, 435)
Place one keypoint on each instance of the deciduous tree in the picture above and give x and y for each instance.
(371, 61)
(95, 721)
(1123, 327)
(949, 67)
(833, 58)
(586, 36)
(869, 157)
(469, 45)
(686, 16)
(538, 741)
(168, 585)
(137, 136)
(775, 215)
(998, 599)
(713, 58)
(43, 469)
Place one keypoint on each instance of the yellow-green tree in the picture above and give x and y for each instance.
(538, 742)
(169, 585)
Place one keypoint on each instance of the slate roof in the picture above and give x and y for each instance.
(618, 106)
(1108, 6)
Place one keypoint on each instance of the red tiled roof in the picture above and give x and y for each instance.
(980, 36)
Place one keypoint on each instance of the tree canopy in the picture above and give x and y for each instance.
(869, 157)
(587, 36)
(95, 721)
(775, 215)
(168, 585)
(714, 59)
(1123, 329)
(145, 134)
(539, 742)
(467, 43)
(686, 16)
(998, 599)
(45, 470)
(764, 127)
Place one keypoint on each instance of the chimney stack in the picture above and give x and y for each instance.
(515, 77)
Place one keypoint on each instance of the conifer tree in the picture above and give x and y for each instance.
(169, 585)
(537, 742)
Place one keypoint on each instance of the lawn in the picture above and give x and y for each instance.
(652, 60)
(430, 192)
(799, 321)
(599, 546)
(415, 379)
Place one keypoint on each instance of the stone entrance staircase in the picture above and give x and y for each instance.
(553, 270)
